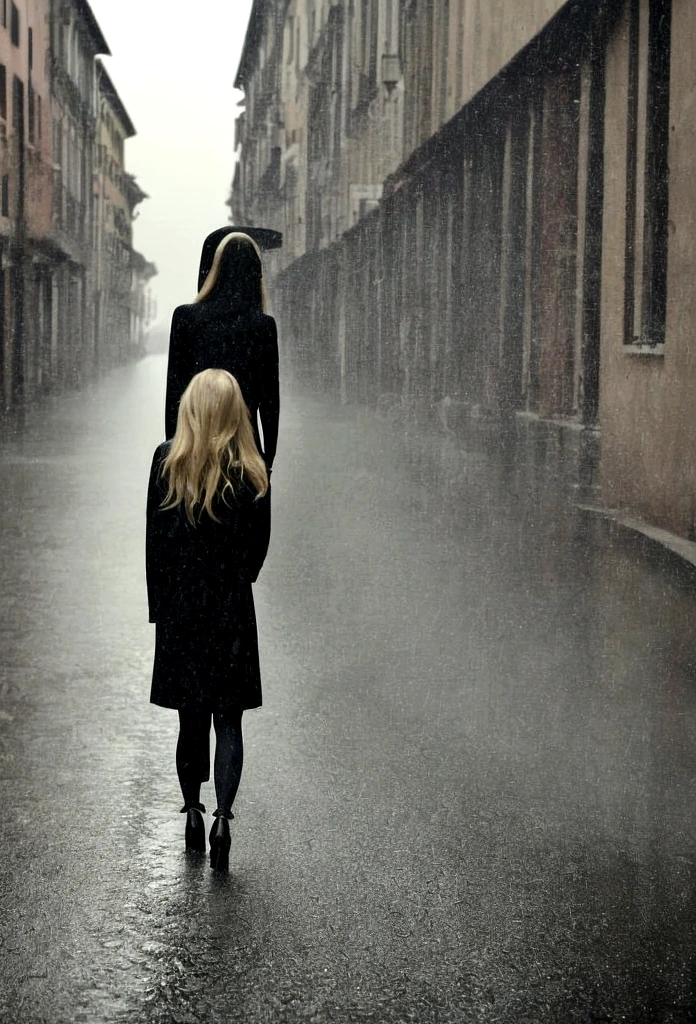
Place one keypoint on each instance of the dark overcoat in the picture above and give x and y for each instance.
(207, 335)
(199, 581)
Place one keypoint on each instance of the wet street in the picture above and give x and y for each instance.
(470, 795)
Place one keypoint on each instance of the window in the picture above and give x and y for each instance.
(18, 107)
(374, 40)
(444, 58)
(366, 52)
(291, 39)
(3, 92)
(57, 145)
(5, 199)
(364, 34)
(31, 102)
(647, 172)
(14, 25)
(4, 13)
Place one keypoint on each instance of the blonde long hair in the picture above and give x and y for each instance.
(237, 248)
(214, 442)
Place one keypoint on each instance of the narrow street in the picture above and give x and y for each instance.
(470, 795)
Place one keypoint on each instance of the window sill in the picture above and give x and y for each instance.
(644, 350)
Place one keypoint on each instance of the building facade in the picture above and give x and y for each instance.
(142, 310)
(121, 307)
(76, 39)
(490, 209)
(54, 214)
(25, 194)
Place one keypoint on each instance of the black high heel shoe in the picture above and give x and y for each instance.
(194, 835)
(220, 842)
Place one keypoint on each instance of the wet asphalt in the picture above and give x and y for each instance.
(469, 796)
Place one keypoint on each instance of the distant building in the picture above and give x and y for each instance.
(492, 205)
(59, 197)
(25, 199)
(120, 273)
(323, 119)
(76, 39)
(141, 305)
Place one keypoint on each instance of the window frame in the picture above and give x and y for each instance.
(647, 174)
(3, 92)
(15, 24)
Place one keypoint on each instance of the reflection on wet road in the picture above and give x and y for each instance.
(470, 794)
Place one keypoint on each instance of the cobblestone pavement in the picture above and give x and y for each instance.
(469, 796)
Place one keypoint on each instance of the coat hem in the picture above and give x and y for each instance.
(205, 706)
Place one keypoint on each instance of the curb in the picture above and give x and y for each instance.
(672, 543)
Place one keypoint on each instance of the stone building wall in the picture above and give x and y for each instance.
(530, 256)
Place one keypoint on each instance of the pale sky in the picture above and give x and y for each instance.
(173, 63)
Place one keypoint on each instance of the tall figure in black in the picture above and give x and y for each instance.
(208, 529)
(227, 327)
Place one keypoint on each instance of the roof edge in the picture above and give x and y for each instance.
(93, 27)
(109, 89)
(251, 40)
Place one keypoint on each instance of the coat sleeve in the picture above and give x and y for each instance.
(178, 370)
(262, 533)
(156, 550)
(269, 404)
(256, 536)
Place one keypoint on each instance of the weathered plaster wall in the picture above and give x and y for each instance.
(648, 404)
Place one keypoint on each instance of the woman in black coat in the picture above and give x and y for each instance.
(208, 529)
(226, 327)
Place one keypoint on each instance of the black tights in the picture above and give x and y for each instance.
(193, 755)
